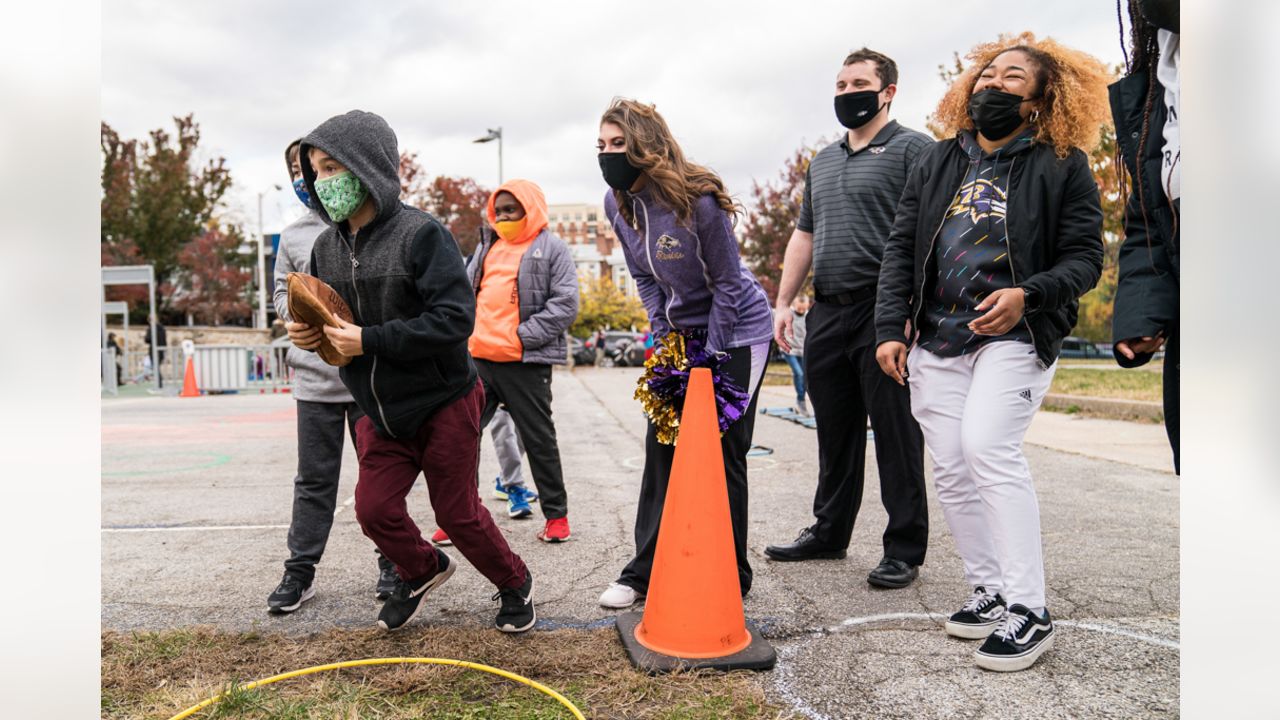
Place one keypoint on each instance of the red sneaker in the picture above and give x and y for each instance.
(439, 537)
(556, 531)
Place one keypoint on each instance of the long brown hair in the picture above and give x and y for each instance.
(1073, 85)
(677, 182)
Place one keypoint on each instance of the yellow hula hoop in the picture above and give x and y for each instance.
(388, 661)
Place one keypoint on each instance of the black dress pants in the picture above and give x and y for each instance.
(845, 385)
(658, 459)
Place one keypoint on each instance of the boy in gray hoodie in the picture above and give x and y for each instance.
(324, 407)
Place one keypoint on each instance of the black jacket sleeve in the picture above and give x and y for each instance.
(1077, 257)
(441, 281)
(897, 269)
(1147, 290)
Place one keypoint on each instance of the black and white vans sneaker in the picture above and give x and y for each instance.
(1019, 639)
(978, 617)
(289, 595)
(517, 613)
(408, 600)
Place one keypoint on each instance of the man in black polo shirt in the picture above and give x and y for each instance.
(850, 197)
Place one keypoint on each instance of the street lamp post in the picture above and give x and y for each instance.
(262, 264)
(494, 134)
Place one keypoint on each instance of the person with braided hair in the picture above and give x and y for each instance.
(997, 235)
(674, 220)
(1144, 105)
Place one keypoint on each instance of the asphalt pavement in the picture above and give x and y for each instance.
(196, 497)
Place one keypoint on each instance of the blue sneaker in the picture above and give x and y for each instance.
(500, 491)
(518, 503)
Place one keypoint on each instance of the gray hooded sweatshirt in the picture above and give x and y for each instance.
(314, 380)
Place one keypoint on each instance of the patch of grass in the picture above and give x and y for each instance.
(1121, 384)
(155, 675)
(777, 373)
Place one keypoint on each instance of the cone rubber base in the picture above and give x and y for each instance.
(759, 655)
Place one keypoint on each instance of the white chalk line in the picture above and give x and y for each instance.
(800, 706)
(784, 688)
(346, 504)
(188, 528)
(937, 617)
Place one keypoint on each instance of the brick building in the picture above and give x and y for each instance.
(594, 245)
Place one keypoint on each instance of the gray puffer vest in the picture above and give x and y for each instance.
(547, 287)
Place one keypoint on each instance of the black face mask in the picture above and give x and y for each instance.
(995, 112)
(618, 171)
(856, 109)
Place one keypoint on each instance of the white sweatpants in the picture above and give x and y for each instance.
(974, 411)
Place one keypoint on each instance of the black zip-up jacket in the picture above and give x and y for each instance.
(1147, 289)
(1055, 239)
(404, 279)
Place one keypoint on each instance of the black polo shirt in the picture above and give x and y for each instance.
(849, 202)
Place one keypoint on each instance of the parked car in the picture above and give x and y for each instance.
(584, 353)
(1079, 348)
(623, 348)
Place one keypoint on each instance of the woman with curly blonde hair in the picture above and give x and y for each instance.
(997, 235)
(674, 221)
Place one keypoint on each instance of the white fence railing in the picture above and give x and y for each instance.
(218, 368)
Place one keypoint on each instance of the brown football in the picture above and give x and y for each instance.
(313, 302)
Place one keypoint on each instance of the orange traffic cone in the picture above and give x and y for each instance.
(693, 614)
(189, 388)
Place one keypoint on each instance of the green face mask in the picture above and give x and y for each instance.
(341, 195)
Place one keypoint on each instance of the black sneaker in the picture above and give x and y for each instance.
(407, 600)
(289, 595)
(1019, 638)
(388, 578)
(517, 614)
(978, 617)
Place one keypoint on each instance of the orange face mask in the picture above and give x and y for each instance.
(509, 229)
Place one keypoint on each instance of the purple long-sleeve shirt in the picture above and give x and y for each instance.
(690, 276)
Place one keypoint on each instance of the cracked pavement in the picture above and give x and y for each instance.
(1110, 534)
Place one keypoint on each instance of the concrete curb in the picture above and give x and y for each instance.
(1107, 407)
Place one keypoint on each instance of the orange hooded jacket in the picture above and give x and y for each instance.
(498, 301)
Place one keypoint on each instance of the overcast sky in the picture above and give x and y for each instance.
(741, 84)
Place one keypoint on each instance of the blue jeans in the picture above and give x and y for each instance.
(797, 375)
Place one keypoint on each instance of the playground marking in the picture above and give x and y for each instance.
(938, 617)
(215, 460)
(184, 528)
(346, 504)
(786, 653)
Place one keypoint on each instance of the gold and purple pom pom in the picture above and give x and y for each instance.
(661, 389)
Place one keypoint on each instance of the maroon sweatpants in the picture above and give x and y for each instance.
(447, 451)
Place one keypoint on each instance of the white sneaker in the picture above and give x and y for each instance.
(619, 596)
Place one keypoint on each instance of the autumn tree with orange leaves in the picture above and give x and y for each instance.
(457, 202)
(216, 278)
(771, 218)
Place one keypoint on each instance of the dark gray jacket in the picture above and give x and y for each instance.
(547, 284)
(403, 277)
